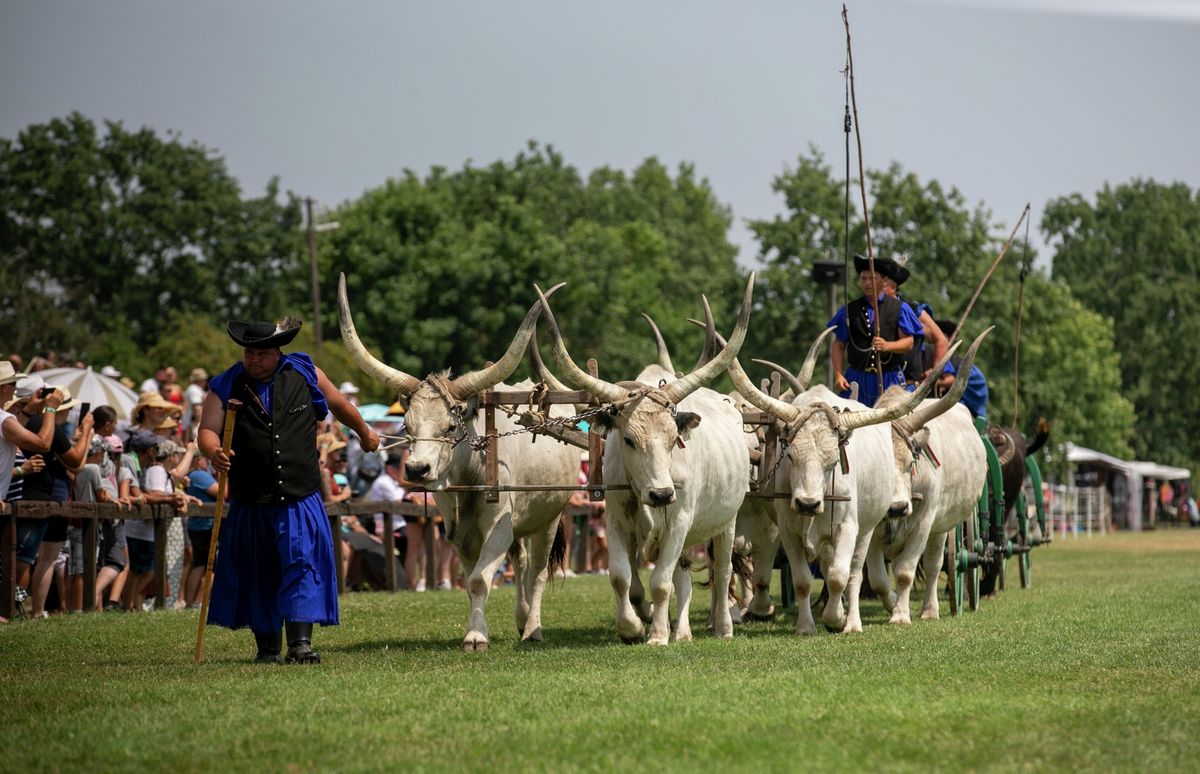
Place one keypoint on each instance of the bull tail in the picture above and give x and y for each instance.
(1039, 440)
(558, 551)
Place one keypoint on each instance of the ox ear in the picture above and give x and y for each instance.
(686, 421)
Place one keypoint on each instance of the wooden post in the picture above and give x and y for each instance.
(389, 552)
(491, 473)
(8, 559)
(430, 534)
(160, 558)
(89, 562)
(595, 450)
(335, 526)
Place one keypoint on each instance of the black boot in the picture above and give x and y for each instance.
(299, 640)
(269, 647)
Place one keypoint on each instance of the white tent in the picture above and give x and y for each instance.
(1128, 479)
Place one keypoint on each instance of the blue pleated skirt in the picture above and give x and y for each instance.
(274, 563)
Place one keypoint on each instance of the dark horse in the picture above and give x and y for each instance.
(1012, 449)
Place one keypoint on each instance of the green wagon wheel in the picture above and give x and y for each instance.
(954, 552)
(1025, 559)
(971, 572)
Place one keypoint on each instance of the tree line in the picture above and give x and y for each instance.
(132, 247)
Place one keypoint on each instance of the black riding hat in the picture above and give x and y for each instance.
(885, 266)
(263, 335)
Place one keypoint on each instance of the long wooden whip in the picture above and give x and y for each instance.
(862, 185)
(962, 321)
(231, 410)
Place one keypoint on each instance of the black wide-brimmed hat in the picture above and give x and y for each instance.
(947, 326)
(888, 267)
(263, 335)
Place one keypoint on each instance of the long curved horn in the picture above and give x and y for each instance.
(750, 393)
(396, 380)
(853, 420)
(796, 385)
(810, 360)
(477, 381)
(685, 385)
(605, 391)
(711, 347)
(922, 414)
(538, 366)
(664, 357)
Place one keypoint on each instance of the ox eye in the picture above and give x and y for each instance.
(629, 442)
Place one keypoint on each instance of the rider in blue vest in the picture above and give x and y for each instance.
(858, 354)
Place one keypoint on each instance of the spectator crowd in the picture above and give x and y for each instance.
(51, 451)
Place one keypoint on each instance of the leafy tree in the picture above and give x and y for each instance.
(1134, 256)
(440, 270)
(1066, 353)
(103, 235)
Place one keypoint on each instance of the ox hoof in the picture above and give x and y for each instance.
(851, 628)
(685, 637)
(659, 641)
(750, 615)
(900, 620)
(475, 646)
(930, 615)
(533, 636)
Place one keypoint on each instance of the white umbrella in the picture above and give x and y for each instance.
(89, 386)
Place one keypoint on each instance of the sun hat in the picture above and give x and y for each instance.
(115, 444)
(263, 335)
(167, 424)
(395, 410)
(98, 444)
(152, 400)
(8, 374)
(198, 375)
(348, 387)
(110, 372)
(68, 402)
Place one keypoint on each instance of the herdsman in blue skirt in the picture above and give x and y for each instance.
(275, 563)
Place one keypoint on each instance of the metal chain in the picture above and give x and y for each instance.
(479, 442)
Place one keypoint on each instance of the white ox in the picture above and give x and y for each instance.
(442, 415)
(822, 429)
(669, 431)
(940, 469)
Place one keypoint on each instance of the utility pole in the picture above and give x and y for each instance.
(312, 262)
(313, 230)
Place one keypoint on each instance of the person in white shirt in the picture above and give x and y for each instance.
(193, 401)
(387, 488)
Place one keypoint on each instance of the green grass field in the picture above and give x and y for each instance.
(1096, 667)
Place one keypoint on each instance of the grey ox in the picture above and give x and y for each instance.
(442, 416)
(668, 431)
(841, 449)
(940, 470)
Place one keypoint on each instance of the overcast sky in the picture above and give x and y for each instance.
(1008, 100)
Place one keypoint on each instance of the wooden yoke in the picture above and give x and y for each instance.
(595, 449)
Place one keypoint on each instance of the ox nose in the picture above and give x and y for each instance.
(417, 471)
(899, 510)
(663, 495)
(806, 504)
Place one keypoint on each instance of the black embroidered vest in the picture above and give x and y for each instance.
(858, 350)
(276, 454)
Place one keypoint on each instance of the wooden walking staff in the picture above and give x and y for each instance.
(987, 276)
(231, 410)
(862, 185)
